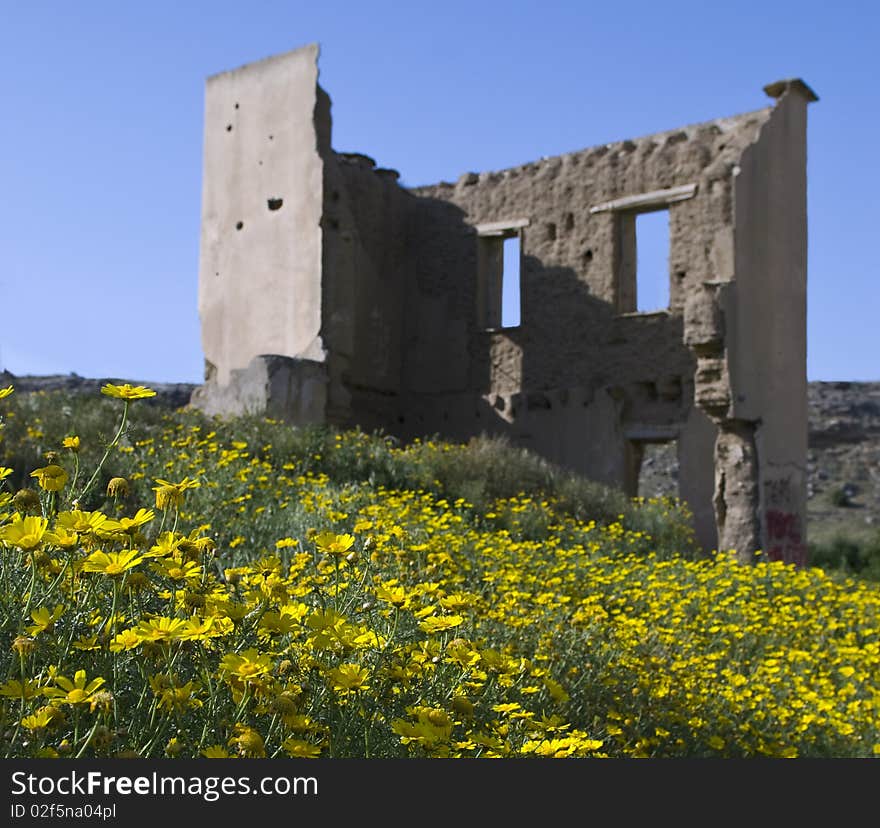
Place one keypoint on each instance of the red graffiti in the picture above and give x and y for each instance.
(784, 538)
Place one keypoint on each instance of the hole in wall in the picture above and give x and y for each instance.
(229, 127)
(586, 258)
(236, 106)
(239, 225)
(275, 203)
(271, 137)
(551, 231)
(569, 221)
(648, 389)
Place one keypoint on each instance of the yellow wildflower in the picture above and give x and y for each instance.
(247, 665)
(112, 563)
(40, 720)
(14, 689)
(170, 495)
(349, 677)
(26, 533)
(51, 478)
(77, 691)
(248, 742)
(44, 621)
(300, 749)
(440, 623)
(333, 544)
(127, 391)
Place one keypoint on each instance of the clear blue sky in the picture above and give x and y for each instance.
(101, 139)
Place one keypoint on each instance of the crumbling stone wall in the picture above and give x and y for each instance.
(405, 288)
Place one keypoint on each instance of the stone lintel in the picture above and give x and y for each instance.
(501, 228)
(647, 201)
(651, 432)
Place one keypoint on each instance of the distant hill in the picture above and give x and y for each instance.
(171, 394)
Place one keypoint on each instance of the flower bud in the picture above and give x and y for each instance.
(27, 501)
(117, 487)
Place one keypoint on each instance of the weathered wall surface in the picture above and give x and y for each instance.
(584, 379)
(262, 201)
(365, 262)
(287, 389)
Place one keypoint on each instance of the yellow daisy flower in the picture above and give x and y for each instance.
(78, 691)
(51, 478)
(112, 563)
(127, 392)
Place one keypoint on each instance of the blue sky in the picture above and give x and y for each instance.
(101, 139)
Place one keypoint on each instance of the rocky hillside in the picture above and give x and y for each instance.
(844, 458)
(843, 462)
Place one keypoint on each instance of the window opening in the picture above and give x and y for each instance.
(499, 274)
(653, 469)
(652, 261)
(510, 283)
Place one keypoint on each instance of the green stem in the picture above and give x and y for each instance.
(246, 697)
(75, 472)
(271, 732)
(88, 738)
(27, 607)
(113, 442)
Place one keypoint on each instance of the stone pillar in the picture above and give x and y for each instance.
(737, 495)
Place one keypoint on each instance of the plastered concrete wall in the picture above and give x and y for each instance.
(262, 200)
(768, 348)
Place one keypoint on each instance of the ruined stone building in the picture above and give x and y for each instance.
(328, 293)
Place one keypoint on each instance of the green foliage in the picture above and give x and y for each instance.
(839, 497)
(482, 471)
(849, 555)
